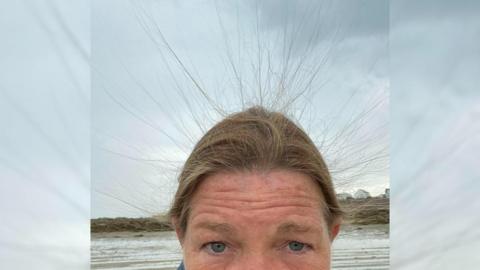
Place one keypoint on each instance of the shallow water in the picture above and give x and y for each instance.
(362, 247)
(357, 247)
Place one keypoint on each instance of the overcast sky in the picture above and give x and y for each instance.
(239, 52)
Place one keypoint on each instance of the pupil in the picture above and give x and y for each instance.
(218, 247)
(296, 246)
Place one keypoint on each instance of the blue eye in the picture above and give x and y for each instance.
(217, 247)
(296, 246)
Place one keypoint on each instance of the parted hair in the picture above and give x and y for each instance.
(254, 139)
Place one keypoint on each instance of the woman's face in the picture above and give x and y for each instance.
(257, 221)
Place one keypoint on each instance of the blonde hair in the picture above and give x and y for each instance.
(254, 139)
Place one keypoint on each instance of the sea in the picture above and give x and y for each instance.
(356, 247)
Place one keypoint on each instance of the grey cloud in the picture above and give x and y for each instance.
(433, 10)
(323, 23)
(360, 18)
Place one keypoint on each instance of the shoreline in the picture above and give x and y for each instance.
(357, 212)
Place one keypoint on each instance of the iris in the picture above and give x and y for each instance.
(217, 247)
(296, 246)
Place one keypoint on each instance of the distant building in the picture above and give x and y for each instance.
(344, 196)
(387, 193)
(361, 194)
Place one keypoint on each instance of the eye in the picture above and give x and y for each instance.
(296, 246)
(216, 247)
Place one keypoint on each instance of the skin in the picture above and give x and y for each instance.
(254, 220)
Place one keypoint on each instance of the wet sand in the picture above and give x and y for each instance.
(357, 247)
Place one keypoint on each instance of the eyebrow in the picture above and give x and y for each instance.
(285, 228)
(223, 228)
(292, 227)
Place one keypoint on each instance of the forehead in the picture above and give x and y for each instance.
(277, 181)
(274, 195)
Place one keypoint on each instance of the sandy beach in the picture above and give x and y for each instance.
(357, 247)
(150, 243)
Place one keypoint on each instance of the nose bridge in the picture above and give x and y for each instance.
(256, 260)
